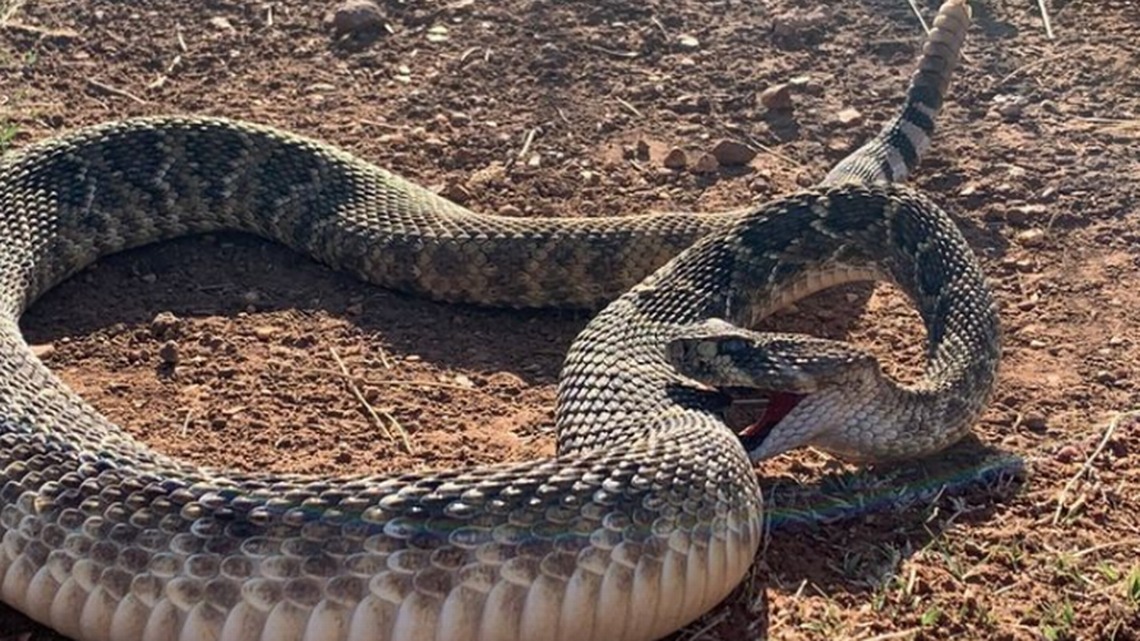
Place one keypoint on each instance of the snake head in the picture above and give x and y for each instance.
(809, 386)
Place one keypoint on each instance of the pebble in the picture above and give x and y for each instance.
(1009, 106)
(806, 84)
(43, 351)
(169, 353)
(221, 23)
(642, 150)
(690, 103)
(264, 332)
(357, 16)
(164, 324)
(1067, 454)
(733, 154)
(688, 42)
(493, 175)
(777, 97)
(676, 159)
(706, 164)
(1034, 420)
(1104, 377)
(1031, 237)
(510, 210)
(849, 117)
(1022, 214)
(455, 192)
(590, 177)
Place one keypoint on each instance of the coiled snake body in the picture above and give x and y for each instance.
(648, 516)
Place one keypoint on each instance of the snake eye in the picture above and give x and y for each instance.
(733, 345)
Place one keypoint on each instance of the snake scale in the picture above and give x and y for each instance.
(649, 514)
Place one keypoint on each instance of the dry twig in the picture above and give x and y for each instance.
(633, 110)
(114, 91)
(380, 418)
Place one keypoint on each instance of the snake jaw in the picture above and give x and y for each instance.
(776, 407)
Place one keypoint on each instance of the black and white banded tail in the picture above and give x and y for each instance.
(895, 151)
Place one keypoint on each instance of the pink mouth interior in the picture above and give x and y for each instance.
(779, 405)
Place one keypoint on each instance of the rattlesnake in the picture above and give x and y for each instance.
(649, 514)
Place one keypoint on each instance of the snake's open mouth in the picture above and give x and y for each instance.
(756, 412)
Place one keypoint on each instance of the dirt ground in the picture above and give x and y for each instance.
(538, 107)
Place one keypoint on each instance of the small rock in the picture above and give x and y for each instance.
(706, 164)
(165, 325)
(463, 380)
(510, 210)
(1031, 237)
(590, 177)
(493, 175)
(777, 97)
(169, 353)
(733, 154)
(849, 117)
(535, 161)
(354, 17)
(455, 192)
(1010, 107)
(1024, 214)
(344, 457)
(219, 22)
(1067, 454)
(1104, 377)
(149, 279)
(676, 159)
(44, 351)
(839, 145)
(690, 103)
(459, 119)
(642, 150)
(806, 84)
(797, 24)
(264, 332)
(687, 41)
(1034, 420)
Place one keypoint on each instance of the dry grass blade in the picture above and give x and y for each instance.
(115, 91)
(918, 14)
(1063, 496)
(382, 419)
(1045, 18)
